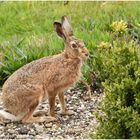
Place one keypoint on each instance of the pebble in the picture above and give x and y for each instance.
(39, 137)
(10, 131)
(23, 130)
(39, 128)
(32, 132)
(76, 126)
(48, 125)
(24, 136)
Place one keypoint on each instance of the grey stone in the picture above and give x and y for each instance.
(40, 128)
(48, 125)
(23, 130)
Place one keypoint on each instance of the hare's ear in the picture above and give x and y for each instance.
(66, 26)
(59, 30)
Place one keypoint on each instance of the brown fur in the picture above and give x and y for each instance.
(48, 76)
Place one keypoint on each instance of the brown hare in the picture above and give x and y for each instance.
(47, 77)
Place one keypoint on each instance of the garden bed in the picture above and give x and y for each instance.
(77, 126)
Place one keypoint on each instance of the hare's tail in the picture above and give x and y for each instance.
(8, 116)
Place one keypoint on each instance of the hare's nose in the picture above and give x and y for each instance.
(86, 54)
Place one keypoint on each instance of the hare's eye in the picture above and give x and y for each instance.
(74, 45)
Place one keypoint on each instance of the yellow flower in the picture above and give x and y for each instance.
(119, 26)
(104, 45)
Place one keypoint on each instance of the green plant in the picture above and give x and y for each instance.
(27, 34)
(119, 68)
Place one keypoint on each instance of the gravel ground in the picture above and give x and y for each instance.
(77, 126)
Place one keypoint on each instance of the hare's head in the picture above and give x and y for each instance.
(74, 47)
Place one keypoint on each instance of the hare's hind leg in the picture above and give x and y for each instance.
(28, 118)
(29, 115)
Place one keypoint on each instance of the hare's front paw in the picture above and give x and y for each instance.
(40, 113)
(67, 112)
(40, 119)
(50, 119)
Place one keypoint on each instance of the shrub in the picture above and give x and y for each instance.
(118, 65)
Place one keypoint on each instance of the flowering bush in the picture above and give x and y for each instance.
(119, 69)
(119, 27)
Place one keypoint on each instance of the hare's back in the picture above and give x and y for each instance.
(26, 73)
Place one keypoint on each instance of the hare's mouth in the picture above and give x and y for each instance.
(87, 55)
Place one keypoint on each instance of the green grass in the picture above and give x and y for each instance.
(26, 28)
